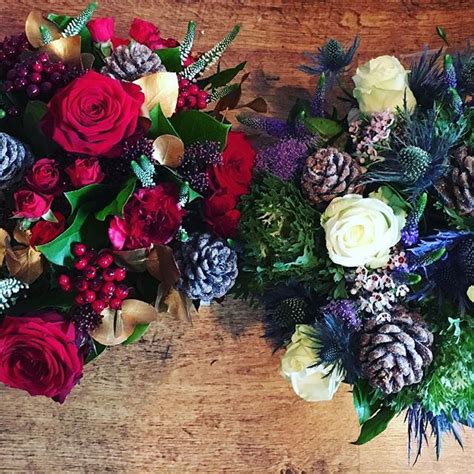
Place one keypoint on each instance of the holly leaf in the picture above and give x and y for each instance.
(375, 425)
(160, 125)
(90, 193)
(170, 58)
(366, 401)
(34, 112)
(193, 126)
(221, 78)
(116, 207)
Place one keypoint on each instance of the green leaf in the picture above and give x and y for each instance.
(90, 193)
(95, 352)
(58, 251)
(55, 298)
(35, 110)
(375, 425)
(61, 21)
(193, 126)
(221, 78)
(160, 125)
(138, 332)
(326, 127)
(442, 34)
(412, 278)
(115, 208)
(366, 401)
(171, 59)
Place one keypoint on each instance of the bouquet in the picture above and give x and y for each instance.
(118, 191)
(358, 238)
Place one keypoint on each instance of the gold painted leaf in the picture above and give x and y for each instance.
(32, 28)
(4, 244)
(65, 49)
(160, 88)
(177, 304)
(118, 325)
(168, 150)
(24, 263)
(162, 266)
(22, 236)
(134, 260)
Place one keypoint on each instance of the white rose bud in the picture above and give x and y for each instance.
(310, 380)
(382, 85)
(360, 231)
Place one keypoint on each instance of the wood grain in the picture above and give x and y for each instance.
(207, 397)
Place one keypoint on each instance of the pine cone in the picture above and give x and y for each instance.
(129, 63)
(457, 189)
(208, 267)
(394, 352)
(14, 159)
(330, 173)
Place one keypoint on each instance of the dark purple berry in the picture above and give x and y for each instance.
(33, 91)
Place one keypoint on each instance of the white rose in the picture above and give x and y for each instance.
(470, 293)
(360, 231)
(382, 84)
(310, 380)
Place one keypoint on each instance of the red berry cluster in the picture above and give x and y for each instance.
(191, 96)
(37, 76)
(97, 281)
(10, 48)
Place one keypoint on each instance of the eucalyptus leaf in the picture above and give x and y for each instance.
(375, 425)
(116, 207)
(170, 58)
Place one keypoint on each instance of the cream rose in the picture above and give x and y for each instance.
(360, 231)
(311, 381)
(382, 84)
(470, 293)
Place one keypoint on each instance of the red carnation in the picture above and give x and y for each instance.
(45, 231)
(93, 114)
(148, 34)
(85, 171)
(151, 216)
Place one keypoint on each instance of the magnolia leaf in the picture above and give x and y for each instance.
(32, 28)
(67, 50)
(118, 325)
(4, 244)
(162, 266)
(168, 150)
(177, 304)
(134, 260)
(24, 263)
(22, 236)
(160, 88)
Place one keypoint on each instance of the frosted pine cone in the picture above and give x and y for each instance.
(395, 350)
(330, 173)
(14, 159)
(129, 63)
(457, 189)
(208, 267)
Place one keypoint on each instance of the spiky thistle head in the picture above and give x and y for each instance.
(331, 59)
(414, 162)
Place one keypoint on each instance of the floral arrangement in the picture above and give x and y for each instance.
(119, 187)
(358, 239)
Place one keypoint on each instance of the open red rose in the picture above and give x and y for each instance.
(44, 176)
(151, 216)
(221, 213)
(148, 34)
(101, 29)
(85, 171)
(93, 114)
(31, 205)
(39, 354)
(45, 231)
(235, 173)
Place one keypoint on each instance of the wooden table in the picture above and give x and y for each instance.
(207, 397)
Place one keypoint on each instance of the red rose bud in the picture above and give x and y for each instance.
(102, 30)
(85, 171)
(31, 205)
(93, 113)
(45, 231)
(44, 347)
(148, 34)
(221, 214)
(44, 176)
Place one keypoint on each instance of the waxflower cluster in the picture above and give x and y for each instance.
(112, 162)
(358, 239)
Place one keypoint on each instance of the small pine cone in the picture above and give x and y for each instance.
(208, 267)
(129, 63)
(330, 173)
(394, 352)
(14, 159)
(290, 312)
(457, 189)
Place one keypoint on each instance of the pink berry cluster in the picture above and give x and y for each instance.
(191, 96)
(96, 281)
(37, 76)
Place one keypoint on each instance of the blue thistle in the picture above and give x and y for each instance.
(271, 126)
(410, 233)
(331, 59)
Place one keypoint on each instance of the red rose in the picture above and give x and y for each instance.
(221, 213)
(148, 34)
(116, 42)
(151, 216)
(85, 171)
(31, 205)
(39, 354)
(101, 29)
(235, 173)
(93, 114)
(44, 176)
(45, 231)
